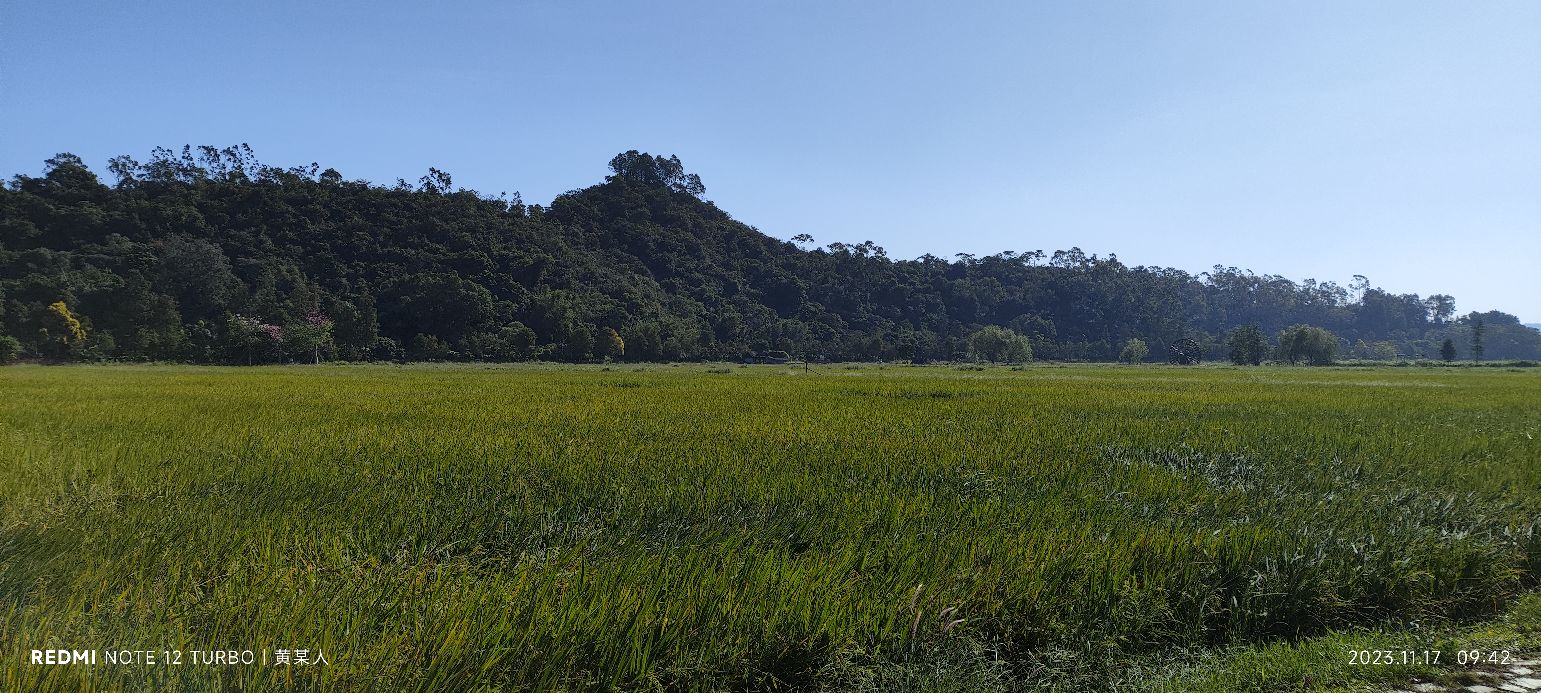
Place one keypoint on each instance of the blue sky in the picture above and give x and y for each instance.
(1398, 140)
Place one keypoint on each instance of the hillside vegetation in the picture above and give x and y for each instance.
(208, 256)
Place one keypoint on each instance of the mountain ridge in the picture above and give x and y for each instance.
(186, 249)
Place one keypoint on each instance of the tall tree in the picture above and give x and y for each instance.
(1477, 328)
(1248, 345)
(1309, 343)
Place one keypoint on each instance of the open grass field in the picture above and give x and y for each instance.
(724, 528)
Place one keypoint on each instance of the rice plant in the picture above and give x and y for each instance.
(700, 528)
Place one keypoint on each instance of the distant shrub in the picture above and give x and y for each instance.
(1375, 351)
(994, 343)
(1248, 345)
(1308, 343)
(10, 349)
(386, 349)
(1447, 350)
(427, 347)
(513, 342)
(1135, 351)
(62, 335)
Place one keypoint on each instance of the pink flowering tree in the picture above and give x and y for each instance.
(254, 337)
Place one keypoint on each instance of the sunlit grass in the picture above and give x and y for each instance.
(703, 527)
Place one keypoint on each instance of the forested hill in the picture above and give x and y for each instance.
(207, 255)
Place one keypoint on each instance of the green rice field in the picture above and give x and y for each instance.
(721, 527)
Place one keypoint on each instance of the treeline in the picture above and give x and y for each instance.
(207, 255)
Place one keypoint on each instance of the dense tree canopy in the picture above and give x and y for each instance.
(998, 344)
(207, 255)
(1135, 350)
(1313, 345)
(1248, 345)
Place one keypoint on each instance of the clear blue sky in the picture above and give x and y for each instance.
(1398, 140)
